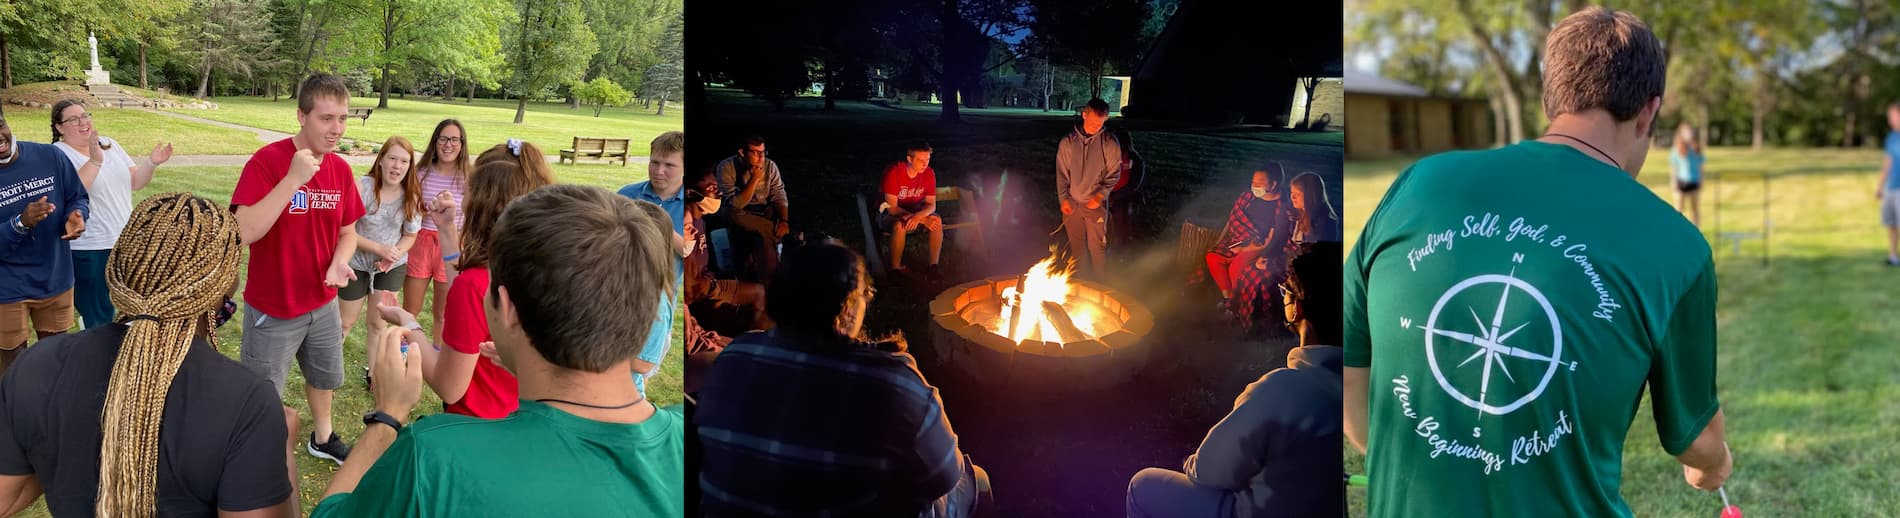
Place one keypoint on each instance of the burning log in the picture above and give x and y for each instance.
(1058, 317)
(1016, 315)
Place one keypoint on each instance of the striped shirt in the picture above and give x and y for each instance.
(434, 183)
(826, 429)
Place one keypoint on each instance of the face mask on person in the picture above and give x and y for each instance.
(709, 205)
(1260, 192)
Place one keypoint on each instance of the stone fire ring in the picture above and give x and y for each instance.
(1090, 364)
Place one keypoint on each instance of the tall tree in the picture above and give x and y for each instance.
(551, 44)
(148, 23)
(665, 79)
(1096, 37)
(232, 36)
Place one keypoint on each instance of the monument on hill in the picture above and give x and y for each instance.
(96, 75)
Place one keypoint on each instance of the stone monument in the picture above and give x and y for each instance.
(96, 75)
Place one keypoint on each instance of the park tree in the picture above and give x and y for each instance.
(1093, 37)
(404, 37)
(665, 79)
(601, 93)
(46, 38)
(630, 35)
(308, 31)
(548, 45)
(232, 36)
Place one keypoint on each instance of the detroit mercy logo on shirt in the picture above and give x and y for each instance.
(300, 202)
(307, 199)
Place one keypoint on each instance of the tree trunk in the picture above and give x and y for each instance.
(383, 100)
(952, 21)
(1501, 67)
(6, 63)
(662, 110)
(204, 77)
(142, 83)
(1311, 84)
(831, 85)
(521, 108)
(448, 94)
(1049, 85)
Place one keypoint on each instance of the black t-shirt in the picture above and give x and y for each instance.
(221, 440)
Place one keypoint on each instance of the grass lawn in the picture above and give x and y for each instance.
(1070, 453)
(550, 126)
(138, 131)
(1803, 377)
(352, 400)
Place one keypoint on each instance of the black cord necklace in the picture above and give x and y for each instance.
(641, 399)
(1592, 148)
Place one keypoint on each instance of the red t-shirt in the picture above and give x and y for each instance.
(910, 191)
(492, 392)
(287, 266)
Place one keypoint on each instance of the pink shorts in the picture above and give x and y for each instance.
(425, 259)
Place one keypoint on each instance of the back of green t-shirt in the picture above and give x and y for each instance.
(539, 461)
(1511, 305)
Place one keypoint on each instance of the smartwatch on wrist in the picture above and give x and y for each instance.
(19, 226)
(377, 416)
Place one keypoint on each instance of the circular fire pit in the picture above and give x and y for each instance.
(1090, 337)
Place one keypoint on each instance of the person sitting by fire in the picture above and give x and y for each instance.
(755, 211)
(1252, 245)
(1315, 220)
(910, 205)
(870, 432)
(727, 307)
(1264, 458)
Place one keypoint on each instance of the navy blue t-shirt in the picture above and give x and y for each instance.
(38, 264)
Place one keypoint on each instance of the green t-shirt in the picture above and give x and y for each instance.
(1511, 305)
(539, 461)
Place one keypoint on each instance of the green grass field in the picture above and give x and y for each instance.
(550, 126)
(1804, 378)
(139, 130)
(352, 400)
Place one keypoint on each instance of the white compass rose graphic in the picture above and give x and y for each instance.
(1492, 343)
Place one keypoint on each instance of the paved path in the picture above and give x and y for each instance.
(262, 134)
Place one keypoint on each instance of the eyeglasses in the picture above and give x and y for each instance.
(449, 140)
(1287, 290)
(80, 117)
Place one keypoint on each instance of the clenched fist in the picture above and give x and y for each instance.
(303, 166)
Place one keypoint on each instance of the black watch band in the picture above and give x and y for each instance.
(377, 416)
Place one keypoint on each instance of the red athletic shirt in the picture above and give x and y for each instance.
(285, 275)
(910, 192)
(492, 393)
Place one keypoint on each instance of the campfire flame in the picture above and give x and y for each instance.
(1024, 305)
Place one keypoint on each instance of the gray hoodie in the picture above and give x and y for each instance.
(1087, 165)
(1277, 454)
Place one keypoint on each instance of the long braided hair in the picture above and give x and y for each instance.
(175, 261)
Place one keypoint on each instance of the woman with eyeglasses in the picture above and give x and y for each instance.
(110, 176)
(444, 167)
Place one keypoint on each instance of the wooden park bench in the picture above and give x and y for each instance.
(361, 113)
(599, 148)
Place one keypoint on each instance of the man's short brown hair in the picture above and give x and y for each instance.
(1599, 58)
(321, 85)
(586, 270)
(668, 143)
